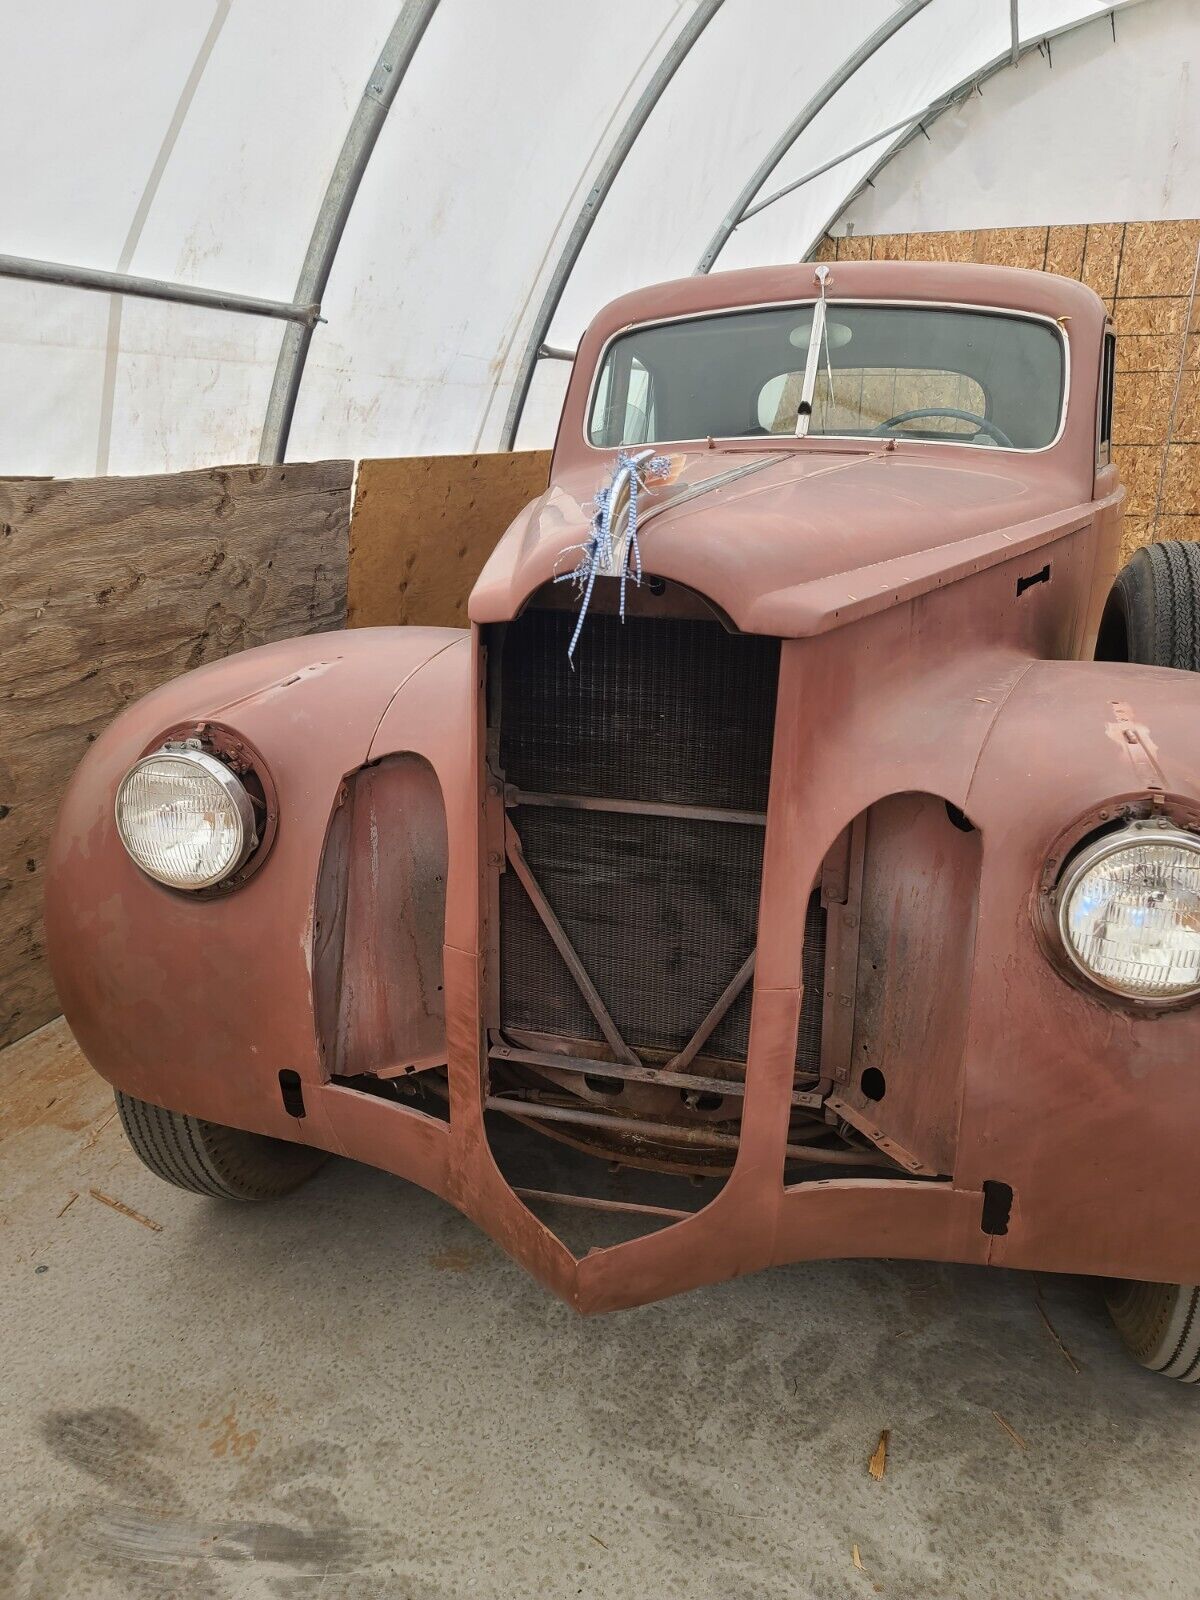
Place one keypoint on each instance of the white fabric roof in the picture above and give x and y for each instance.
(196, 143)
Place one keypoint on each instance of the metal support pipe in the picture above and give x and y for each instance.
(934, 109)
(185, 294)
(788, 137)
(1014, 21)
(365, 128)
(952, 97)
(514, 797)
(705, 11)
(586, 1066)
(675, 1133)
(562, 943)
(594, 1203)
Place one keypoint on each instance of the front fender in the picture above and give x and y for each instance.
(1087, 1107)
(198, 1003)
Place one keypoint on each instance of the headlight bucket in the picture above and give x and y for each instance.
(185, 817)
(1127, 912)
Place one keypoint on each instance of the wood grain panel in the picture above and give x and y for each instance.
(1181, 486)
(1102, 257)
(423, 526)
(1140, 467)
(957, 246)
(1064, 250)
(1158, 258)
(889, 246)
(1012, 247)
(111, 586)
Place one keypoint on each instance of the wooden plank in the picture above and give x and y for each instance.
(423, 526)
(111, 586)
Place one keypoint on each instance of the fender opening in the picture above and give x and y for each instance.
(379, 927)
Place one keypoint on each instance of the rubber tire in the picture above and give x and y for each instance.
(1160, 1326)
(1153, 618)
(207, 1158)
(1153, 611)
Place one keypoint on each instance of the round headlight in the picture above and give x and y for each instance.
(1129, 912)
(185, 818)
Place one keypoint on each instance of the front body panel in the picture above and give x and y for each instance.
(1083, 1110)
(814, 779)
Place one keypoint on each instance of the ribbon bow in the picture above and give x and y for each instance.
(600, 553)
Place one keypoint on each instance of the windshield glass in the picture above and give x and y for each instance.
(935, 373)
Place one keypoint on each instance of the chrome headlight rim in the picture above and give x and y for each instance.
(189, 751)
(1129, 832)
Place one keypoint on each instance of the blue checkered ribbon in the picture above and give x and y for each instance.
(595, 550)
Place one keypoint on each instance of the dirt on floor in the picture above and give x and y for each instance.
(353, 1393)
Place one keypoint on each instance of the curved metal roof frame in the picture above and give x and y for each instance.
(832, 85)
(961, 91)
(535, 348)
(382, 87)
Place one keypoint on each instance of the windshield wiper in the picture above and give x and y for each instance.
(816, 338)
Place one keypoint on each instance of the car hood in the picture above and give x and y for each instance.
(792, 542)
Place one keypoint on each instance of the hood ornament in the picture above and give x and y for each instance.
(612, 542)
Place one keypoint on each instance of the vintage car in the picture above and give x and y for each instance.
(828, 842)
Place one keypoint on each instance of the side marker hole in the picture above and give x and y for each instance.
(873, 1084)
(1042, 576)
(292, 1092)
(997, 1206)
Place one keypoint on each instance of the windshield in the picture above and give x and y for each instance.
(935, 373)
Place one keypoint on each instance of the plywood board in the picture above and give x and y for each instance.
(423, 526)
(110, 586)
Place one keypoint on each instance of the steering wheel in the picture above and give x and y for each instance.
(981, 423)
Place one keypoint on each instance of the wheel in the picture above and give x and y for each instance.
(210, 1159)
(1153, 617)
(1153, 612)
(1160, 1325)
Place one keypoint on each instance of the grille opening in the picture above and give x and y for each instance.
(657, 709)
(636, 785)
(662, 909)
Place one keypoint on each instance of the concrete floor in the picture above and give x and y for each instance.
(353, 1393)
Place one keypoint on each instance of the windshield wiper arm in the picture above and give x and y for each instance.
(816, 338)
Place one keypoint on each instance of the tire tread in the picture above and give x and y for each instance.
(1159, 593)
(1159, 1324)
(207, 1158)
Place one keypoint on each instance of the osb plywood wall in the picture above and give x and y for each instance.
(1145, 272)
(109, 587)
(423, 526)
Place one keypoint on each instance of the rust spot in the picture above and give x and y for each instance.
(230, 1442)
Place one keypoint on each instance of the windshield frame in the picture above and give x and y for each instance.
(784, 440)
